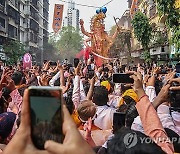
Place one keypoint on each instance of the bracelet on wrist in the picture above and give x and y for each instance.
(142, 97)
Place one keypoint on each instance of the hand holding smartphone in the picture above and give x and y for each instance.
(46, 115)
(22, 143)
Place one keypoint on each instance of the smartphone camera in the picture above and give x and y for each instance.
(46, 115)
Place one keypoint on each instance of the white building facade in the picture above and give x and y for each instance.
(72, 18)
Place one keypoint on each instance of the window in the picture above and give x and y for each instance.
(2, 2)
(2, 22)
(16, 32)
(162, 49)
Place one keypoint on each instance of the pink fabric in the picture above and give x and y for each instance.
(166, 119)
(76, 92)
(98, 60)
(176, 120)
(152, 125)
(66, 74)
(85, 71)
(17, 103)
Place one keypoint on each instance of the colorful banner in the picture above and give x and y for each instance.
(58, 17)
(27, 61)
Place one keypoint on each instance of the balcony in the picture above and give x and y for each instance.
(35, 16)
(2, 3)
(2, 25)
(46, 5)
(34, 26)
(35, 4)
(33, 37)
(45, 14)
(45, 24)
(12, 13)
(14, 4)
(45, 33)
(2, 7)
(12, 32)
(2, 29)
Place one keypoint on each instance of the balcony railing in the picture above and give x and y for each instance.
(45, 14)
(12, 13)
(2, 29)
(35, 16)
(2, 8)
(34, 26)
(12, 31)
(35, 4)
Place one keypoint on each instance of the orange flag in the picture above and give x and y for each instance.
(58, 17)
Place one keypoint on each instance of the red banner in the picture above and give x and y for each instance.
(58, 17)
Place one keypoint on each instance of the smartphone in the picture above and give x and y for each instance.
(52, 63)
(90, 74)
(46, 115)
(118, 120)
(135, 69)
(178, 68)
(89, 68)
(122, 78)
(76, 62)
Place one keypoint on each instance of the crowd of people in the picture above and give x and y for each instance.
(100, 116)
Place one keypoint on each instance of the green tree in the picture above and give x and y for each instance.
(167, 8)
(14, 50)
(122, 43)
(68, 42)
(142, 31)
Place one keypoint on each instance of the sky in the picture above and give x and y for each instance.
(114, 9)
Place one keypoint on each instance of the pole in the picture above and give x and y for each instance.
(42, 55)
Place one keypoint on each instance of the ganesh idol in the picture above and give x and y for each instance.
(99, 40)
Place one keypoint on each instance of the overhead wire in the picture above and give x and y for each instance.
(80, 4)
(87, 5)
(107, 3)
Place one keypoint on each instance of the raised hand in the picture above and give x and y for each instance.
(73, 142)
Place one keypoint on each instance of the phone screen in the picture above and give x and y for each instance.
(122, 78)
(178, 68)
(46, 115)
(53, 63)
(118, 120)
(76, 62)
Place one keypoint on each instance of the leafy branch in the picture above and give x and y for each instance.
(167, 8)
(143, 32)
